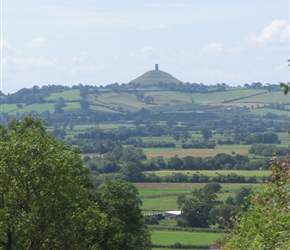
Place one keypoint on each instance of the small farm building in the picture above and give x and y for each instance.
(172, 214)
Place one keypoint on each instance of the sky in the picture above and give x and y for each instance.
(99, 42)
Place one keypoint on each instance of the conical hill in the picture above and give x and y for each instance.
(153, 77)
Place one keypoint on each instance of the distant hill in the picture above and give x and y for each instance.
(153, 77)
(154, 90)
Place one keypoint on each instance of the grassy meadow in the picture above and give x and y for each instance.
(161, 197)
(186, 238)
(68, 95)
(213, 173)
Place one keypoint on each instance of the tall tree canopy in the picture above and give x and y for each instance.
(196, 208)
(46, 197)
(266, 223)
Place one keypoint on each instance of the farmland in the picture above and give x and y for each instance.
(160, 197)
(170, 152)
(186, 238)
(160, 121)
(211, 173)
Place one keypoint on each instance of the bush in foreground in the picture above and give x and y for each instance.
(266, 223)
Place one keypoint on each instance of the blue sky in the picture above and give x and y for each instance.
(98, 42)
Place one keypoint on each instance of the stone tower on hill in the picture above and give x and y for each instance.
(153, 77)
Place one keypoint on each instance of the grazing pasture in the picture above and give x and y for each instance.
(185, 238)
(212, 173)
(68, 95)
(160, 197)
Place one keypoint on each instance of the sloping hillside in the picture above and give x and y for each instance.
(153, 77)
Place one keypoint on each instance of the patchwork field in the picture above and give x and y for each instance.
(160, 197)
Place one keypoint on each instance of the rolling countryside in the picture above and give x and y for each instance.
(170, 138)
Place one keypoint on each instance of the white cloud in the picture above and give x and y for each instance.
(214, 48)
(148, 49)
(276, 32)
(36, 43)
(6, 47)
(23, 62)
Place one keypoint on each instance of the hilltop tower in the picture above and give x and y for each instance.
(154, 77)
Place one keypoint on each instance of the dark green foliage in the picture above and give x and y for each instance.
(258, 137)
(125, 225)
(222, 215)
(265, 224)
(175, 163)
(199, 144)
(214, 185)
(241, 197)
(196, 209)
(206, 133)
(153, 219)
(267, 150)
(47, 201)
(131, 172)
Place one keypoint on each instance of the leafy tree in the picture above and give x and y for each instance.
(241, 195)
(44, 191)
(225, 159)
(132, 154)
(171, 122)
(196, 209)
(160, 162)
(138, 120)
(265, 225)
(214, 185)
(19, 105)
(131, 172)
(176, 136)
(59, 134)
(206, 133)
(185, 135)
(125, 225)
(59, 105)
(222, 215)
(84, 104)
(47, 202)
(175, 163)
(189, 162)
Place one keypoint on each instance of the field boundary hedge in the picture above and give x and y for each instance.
(189, 229)
(178, 245)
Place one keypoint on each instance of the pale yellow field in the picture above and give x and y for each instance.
(194, 152)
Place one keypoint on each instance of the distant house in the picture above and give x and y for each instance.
(172, 214)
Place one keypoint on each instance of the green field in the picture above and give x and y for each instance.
(186, 238)
(161, 197)
(212, 173)
(68, 95)
(264, 111)
(267, 97)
